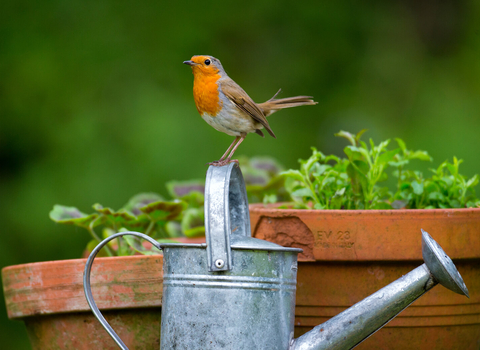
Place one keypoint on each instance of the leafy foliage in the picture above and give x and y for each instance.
(330, 182)
(183, 216)
(146, 212)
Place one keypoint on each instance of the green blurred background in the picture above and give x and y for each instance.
(96, 105)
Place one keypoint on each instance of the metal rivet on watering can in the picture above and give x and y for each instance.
(237, 292)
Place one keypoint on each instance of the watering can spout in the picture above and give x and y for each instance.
(354, 325)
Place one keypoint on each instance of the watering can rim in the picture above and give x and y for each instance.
(239, 243)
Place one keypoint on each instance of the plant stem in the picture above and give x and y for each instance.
(96, 237)
(399, 183)
(150, 228)
(312, 188)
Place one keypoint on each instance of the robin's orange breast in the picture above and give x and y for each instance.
(205, 93)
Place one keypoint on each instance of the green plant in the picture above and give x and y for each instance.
(183, 216)
(148, 213)
(331, 182)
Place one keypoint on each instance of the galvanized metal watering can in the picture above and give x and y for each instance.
(238, 292)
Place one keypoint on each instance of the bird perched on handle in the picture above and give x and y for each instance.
(223, 104)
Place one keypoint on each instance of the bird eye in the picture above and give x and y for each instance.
(207, 62)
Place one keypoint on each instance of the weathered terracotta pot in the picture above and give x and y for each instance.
(49, 298)
(349, 255)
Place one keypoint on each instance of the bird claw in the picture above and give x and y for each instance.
(223, 162)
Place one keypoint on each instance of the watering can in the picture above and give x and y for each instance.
(238, 292)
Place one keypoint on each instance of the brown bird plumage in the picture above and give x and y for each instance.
(223, 104)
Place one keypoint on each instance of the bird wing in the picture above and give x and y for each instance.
(240, 98)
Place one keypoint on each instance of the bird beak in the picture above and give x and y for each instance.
(190, 63)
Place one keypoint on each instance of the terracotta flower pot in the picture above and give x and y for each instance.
(350, 254)
(49, 298)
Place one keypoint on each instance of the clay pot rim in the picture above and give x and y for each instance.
(368, 235)
(82, 261)
(51, 287)
(274, 208)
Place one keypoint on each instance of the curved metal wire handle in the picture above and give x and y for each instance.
(88, 289)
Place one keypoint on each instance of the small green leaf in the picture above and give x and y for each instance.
(472, 182)
(117, 219)
(72, 216)
(192, 217)
(401, 144)
(350, 137)
(452, 168)
(194, 199)
(309, 163)
(447, 180)
(422, 155)
(164, 211)
(320, 169)
(473, 204)
(454, 203)
(326, 181)
(336, 201)
(358, 179)
(436, 196)
(399, 163)
(386, 157)
(61, 213)
(302, 192)
(293, 174)
(359, 134)
(431, 187)
(107, 232)
(332, 157)
(269, 198)
(356, 153)
(178, 189)
(340, 192)
(417, 187)
(137, 245)
(361, 166)
(140, 200)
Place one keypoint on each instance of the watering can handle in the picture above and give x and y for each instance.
(226, 214)
(88, 290)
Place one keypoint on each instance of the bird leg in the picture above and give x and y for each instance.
(224, 161)
(229, 148)
(236, 146)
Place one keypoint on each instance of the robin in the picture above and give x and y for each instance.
(223, 104)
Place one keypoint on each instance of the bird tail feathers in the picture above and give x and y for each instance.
(273, 104)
